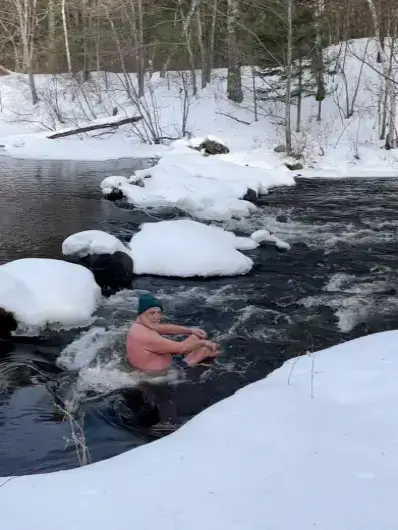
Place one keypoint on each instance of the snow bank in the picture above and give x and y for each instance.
(330, 459)
(207, 187)
(43, 292)
(186, 248)
(90, 242)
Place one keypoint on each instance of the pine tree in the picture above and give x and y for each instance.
(309, 66)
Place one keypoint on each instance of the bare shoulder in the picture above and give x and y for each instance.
(141, 330)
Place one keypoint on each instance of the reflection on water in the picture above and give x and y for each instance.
(337, 282)
(43, 202)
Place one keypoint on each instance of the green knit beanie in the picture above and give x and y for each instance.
(147, 301)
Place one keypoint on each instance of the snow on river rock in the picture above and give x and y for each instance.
(180, 248)
(187, 248)
(317, 436)
(92, 242)
(209, 188)
(41, 292)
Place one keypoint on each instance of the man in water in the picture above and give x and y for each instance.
(149, 351)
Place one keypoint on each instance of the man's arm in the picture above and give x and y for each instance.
(172, 329)
(161, 346)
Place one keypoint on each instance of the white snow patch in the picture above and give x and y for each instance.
(44, 292)
(187, 248)
(109, 184)
(92, 242)
(263, 236)
(330, 458)
(207, 187)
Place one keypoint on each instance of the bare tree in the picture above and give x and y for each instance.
(289, 56)
(234, 85)
(387, 80)
(27, 18)
(211, 40)
(66, 36)
(203, 55)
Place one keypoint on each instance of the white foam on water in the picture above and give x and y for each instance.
(105, 378)
(98, 355)
(316, 235)
(359, 237)
(83, 350)
(348, 283)
(251, 322)
(351, 311)
(339, 281)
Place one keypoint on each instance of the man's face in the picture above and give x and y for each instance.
(154, 315)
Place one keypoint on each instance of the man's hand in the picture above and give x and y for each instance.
(199, 333)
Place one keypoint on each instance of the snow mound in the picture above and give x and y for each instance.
(45, 292)
(263, 236)
(113, 182)
(187, 248)
(325, 447)
(206, 187)
(90, 242)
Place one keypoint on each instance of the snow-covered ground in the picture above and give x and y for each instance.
(48, 292)
(311, 446)
(334, 147)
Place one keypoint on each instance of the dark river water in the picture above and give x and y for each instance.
(339, 281)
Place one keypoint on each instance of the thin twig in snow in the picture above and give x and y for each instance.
(7, 481)
(233, 118)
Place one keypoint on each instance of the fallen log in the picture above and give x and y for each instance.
(95, 127)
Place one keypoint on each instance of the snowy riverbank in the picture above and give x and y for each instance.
(336, 146)
(324, 447)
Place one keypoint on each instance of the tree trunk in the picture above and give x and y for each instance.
(288, 129)
(141, 59)
(391, 135)
(320, 92)
(234, 83)
(27, 12)
(85, 27)
(299, 96)
(254, 94)
(186, 26)
(66, 36)
(203, 56)
(211, 41)
(33, 89)
(51, 42)
(136, 21)
(385, 84)
(113, 124)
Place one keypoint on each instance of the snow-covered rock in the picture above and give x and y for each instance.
(187, 248)
(111, 187)
(107, 257)
(263, 236)
(206, 187)
(44, 292)
(313, 445)
(91, 242)
(210, 145)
